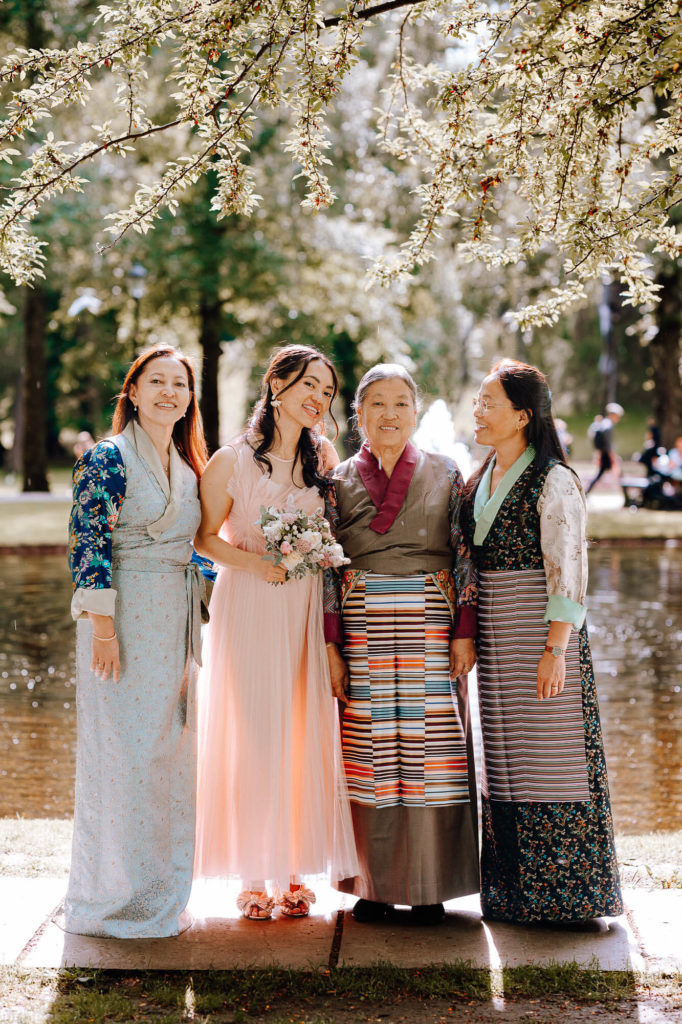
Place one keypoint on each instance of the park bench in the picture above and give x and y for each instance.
(657, 492)
(633, 488)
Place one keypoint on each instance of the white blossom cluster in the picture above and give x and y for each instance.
(572, 108)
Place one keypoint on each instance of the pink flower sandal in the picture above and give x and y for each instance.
(296, 902)
(255, 906)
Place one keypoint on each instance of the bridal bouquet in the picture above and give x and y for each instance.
(300, 542)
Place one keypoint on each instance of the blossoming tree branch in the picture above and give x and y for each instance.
(570, 109)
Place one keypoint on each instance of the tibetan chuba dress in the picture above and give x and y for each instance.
(130, 551)
(547, 839)
(405, 732)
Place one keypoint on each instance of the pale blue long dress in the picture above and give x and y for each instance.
(133, 844)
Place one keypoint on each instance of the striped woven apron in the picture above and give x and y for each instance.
(403, 741)
(534, 750)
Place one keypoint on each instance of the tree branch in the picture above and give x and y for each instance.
(370, 12)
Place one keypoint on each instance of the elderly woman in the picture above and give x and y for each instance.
(399, 627)
(548, 852)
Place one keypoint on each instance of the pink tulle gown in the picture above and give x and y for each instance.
(272, 802)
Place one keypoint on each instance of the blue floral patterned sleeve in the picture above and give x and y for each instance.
(206, 566)
(99, 487)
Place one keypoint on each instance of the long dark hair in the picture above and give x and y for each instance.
(527, 389)
(262, 427)
(188, 432)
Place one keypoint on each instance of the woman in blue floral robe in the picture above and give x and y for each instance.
(137, 597)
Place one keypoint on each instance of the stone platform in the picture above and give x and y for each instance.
(647, 939)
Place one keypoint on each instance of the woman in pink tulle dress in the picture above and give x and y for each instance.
(272, 807)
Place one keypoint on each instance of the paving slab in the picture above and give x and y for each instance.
(491, 945)
(212, 943)
(657, 918)
(219, 938)
(25, 903)
(222, 939)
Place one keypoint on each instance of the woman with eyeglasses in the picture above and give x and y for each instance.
(547, 849)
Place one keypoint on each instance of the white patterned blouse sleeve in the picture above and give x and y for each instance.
(564, 548)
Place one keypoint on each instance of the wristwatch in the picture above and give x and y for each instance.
(556, 652)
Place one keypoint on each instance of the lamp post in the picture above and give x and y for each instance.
(137, 274)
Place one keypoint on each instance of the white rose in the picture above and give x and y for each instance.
(336, 555)
(291, 561)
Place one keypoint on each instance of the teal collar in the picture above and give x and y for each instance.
(485, 507)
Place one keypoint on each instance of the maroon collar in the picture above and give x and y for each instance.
(387, 493)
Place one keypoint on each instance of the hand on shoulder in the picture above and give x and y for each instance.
(329, 456)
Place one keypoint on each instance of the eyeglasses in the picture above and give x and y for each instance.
(483, 404)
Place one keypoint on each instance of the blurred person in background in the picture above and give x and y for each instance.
(602, 439)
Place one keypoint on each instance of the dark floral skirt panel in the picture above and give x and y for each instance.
(555, 861)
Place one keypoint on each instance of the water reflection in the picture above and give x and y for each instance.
(636, 627)
(635, 600)
(37, 692)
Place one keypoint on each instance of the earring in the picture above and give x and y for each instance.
(275, 402)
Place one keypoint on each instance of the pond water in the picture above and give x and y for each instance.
(635, 619)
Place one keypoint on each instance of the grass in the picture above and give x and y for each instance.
(653, 861)
(35, 847)
(59, 479)
(427, 995)
(36, 522)
(40, 847)
(643, 523)
(568, 979)
(322, 996)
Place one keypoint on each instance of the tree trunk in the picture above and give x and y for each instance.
(34, 393)
(666, 347)
(666, 353)
(31, 421)
(612, 319)
(209, 339)
(346, 361)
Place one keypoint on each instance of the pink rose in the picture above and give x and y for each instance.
(285, 547)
